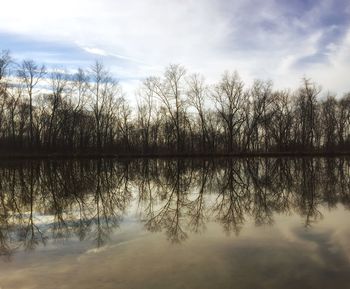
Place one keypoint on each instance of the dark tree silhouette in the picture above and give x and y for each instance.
(177, 114)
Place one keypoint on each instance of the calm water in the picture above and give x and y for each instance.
(247, 223)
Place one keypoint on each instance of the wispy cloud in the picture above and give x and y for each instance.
(96, 51)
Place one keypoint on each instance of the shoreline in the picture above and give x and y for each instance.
(95, 155)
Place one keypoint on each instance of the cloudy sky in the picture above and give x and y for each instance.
(281, 40)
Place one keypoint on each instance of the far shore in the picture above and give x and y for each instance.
(112, 155)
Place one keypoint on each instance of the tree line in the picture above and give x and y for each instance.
(51, 110)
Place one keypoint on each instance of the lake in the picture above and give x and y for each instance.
(175, 223)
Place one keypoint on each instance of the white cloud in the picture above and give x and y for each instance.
(96, 51)
(206, 36)
(334, 76)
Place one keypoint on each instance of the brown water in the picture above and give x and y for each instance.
(247, 223)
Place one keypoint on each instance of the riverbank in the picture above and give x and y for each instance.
(96, 155)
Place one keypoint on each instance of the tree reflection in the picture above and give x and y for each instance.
(57, 200)
(171, 208)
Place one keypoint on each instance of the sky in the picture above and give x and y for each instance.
(278, 40)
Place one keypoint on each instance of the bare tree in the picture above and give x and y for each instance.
(104, 91)
(343, 120)
(329, 120)
(170, 92)
(307, 111)
(58, 85)
(30, 74)
(13, 106)
(282, 119)
(5, 61)
(260, 104)
(197, 94)
(146, 106)
(229, 99)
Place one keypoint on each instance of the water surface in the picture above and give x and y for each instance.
(235, 223)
